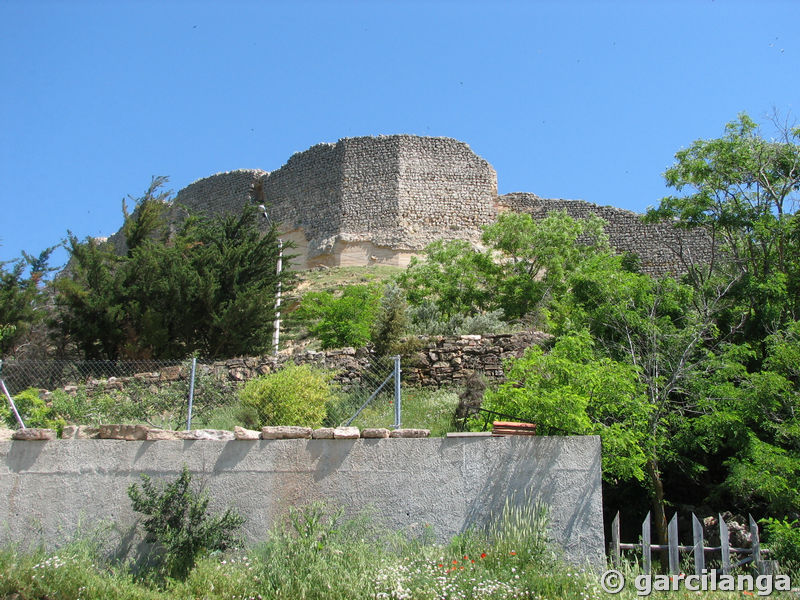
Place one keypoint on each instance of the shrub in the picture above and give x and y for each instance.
(341, 321)
(294, 395)
(34, 411)
(783, 538)
(178, 522)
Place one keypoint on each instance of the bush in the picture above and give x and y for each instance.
(294, 395)
(783, 540)
(341, 321)
(178, 522)
(33, 410)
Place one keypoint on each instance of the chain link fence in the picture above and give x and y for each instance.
(173, 395)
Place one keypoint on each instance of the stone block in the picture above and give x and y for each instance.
(346, 433)
(240, 433)
(216, 435)
(161, 434)
(410, 433)
(128, 433)
(87, 432)
(323, 433)
(375, 433)
(34, 434)
(285, 432)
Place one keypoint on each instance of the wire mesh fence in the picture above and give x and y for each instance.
(378, 383)
(170, 395)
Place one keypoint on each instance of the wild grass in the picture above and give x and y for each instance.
(319, 553)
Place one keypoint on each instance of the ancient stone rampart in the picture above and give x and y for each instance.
(381, 200)
(660, 247)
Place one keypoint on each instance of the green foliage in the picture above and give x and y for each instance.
(526, 263)
(742, 188)
(22, 298)
(454, 276)
(343, 320)
(427, 320)
(33, 411)
(783, 541)
(391, 322)
(177, 520)
(293, 395)
(208, 290)
(575, 390)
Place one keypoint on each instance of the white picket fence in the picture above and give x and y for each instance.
(698, 548)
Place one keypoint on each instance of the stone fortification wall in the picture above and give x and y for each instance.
(659, 247)
(370, 200)
(50, 489)
(363, 200)
(446, 191)
(223, 193)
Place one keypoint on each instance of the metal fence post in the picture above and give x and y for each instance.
(191, 393)
(397, 407)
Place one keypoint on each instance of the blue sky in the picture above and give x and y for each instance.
(586, 100)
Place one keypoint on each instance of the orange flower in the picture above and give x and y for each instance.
(455, 562)
(513, 553)
(483, 555)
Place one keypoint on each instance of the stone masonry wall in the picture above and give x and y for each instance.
(442, 360)
(658, 246)
(368, 200)
(446, 191)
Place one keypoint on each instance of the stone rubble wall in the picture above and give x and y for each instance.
(441, 361)
(659, 247)
(381, 200)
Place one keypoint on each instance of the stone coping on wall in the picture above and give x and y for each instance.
(142, 433)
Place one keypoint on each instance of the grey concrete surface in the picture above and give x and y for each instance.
(53, 489)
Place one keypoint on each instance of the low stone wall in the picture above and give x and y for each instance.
(50, 489)
(440, 361)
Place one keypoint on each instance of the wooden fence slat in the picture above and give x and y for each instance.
(725, 543)
(672, 535)
(699, 544)
(615, 550)
(756, 543)
(646, 550)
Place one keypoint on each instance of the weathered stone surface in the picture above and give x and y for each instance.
(161, 434)
(323, 433)
(129, 433)
(34, 434)
(5, 434)
(375, 433)
(285, 432)
(410, 433)
(87, 432)
(240, 433)
(219, 435)
(346, 433)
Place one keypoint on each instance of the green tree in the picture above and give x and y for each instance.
(209, 289)
(742, 189)
(22, 297)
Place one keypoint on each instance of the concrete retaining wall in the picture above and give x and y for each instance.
(48, 488)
